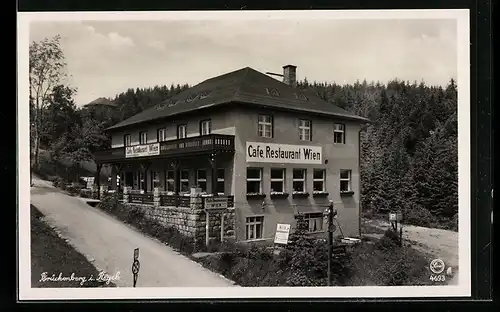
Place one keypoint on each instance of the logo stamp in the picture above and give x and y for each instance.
(437, 266)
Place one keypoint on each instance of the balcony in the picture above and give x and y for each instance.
(205, 144)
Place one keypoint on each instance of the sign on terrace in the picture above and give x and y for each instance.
(142, 150)
(283, 153)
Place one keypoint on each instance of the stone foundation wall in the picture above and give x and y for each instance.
(190, 222)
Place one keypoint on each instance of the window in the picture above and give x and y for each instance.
(345, 180)
(205, 127)
(220, 181)
(127, 140)
(201, 179)
(299, 180)
(184, 180)
(315, 221)
(304, 130)
(254, 227)
(319, 180)
(155, 177)
(278, 180)
(339, 133)
(143, 137)
(181, 131)
(161, 135)
(170, 181)
(254, 180)
(265, 126)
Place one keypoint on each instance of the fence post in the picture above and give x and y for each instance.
(156, 197)
(125, 194)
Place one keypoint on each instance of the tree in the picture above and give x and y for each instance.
(60, 116)
(46, 70)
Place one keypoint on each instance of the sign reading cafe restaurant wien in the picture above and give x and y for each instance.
(142, 150)
(283, 153)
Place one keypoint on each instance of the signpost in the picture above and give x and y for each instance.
(331, 213)
(395, 218)
(281, 236)
(214, 205)
(136, 265)
(282, 233)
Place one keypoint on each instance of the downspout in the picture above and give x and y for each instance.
(359, 181)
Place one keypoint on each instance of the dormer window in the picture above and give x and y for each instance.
(272, 91)
(301, 96)
(172, 103)
(204, 94)
(161, 106)
(191, 98)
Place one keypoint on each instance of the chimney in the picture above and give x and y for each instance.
(289, 75)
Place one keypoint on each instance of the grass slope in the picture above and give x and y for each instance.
(52, 255)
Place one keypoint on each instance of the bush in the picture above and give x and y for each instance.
(389, 241)
(59, 182)
(86, 193)
(419, 216)
(109, 203)
(303, 262)
(386, 263)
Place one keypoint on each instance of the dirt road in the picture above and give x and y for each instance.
(435, 243)
(109, 244)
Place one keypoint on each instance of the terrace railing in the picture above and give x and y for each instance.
(146, 199)
(175, 200)
(179, 147)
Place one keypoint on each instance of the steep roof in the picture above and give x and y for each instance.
(245, 85)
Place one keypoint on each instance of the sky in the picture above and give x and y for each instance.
(105, 58)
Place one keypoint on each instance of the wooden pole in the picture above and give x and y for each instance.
(222, 227)
(330, 243)
(207, 228)
(99, 166)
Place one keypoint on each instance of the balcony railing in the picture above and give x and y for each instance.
(180, 147)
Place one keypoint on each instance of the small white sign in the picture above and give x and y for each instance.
(282, 233)
(142, 150)
(283, 153)
(395, 216)
(216, 203)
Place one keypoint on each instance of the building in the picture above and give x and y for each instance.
(275, 150)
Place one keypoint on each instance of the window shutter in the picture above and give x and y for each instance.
(258, 124)
(177, 131)
(272, 126)
(201, 127)
(310, 130)
(345, 130)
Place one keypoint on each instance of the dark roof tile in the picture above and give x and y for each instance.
(245, 85)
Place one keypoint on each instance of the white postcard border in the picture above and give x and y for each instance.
(463, 289)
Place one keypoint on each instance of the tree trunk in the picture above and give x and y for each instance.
(37, 135)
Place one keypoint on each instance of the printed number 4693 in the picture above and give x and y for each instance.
(438, 278)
